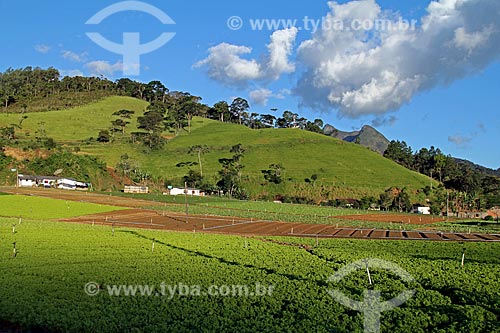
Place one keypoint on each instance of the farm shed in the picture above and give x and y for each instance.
(423, 210)
(26, 181)
(71, 184)
(136, 189)
(190, 191)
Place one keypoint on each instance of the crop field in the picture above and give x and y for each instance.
(268, 211)
(46, 284)
(150, 219)
(32, 207)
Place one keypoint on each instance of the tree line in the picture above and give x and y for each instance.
(474, 188)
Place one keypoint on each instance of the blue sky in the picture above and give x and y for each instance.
(435, 85)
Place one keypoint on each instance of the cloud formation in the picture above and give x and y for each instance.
(384, 121)
(72, 56)
(460, 140)
(225, 62)
(101, 67)
(359, 72)
(374, 72)
(42, 48)
(260, 96)
(70, 72)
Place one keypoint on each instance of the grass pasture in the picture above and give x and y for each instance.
(76, 124)
(343, 170)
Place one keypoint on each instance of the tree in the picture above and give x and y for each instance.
(316, 126)
(274, 174)
(220, 110)
(439, 165)
(238, 107)
(124, 165)
(400, 152)
(230, 173)
(152, 122)
(104, 136)
(122, 122)
(199, 150)
(267, 120)
(193, 179)
(155, 91)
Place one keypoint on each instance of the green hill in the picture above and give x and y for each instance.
(344, 170)
(74, 124)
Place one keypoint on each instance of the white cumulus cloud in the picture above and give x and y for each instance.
(374, 72)
(225, 62)
(70, 72)
(358, 72)
(101, 67)
(72, 56)
(260, 96)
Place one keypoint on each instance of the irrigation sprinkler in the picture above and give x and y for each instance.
(186, 201)
(463, 257)
(153, 246)
(368, 272)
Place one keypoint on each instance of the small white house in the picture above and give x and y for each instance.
(26, 181)
(190, 191)
(423, 210)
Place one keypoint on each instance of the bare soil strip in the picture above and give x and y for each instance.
(136, 217)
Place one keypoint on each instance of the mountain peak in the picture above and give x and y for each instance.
(367, 136)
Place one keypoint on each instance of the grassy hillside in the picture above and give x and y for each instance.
(74, 124)
(344, 169)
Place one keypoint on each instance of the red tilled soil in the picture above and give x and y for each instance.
(148, 219)
(134, 217)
